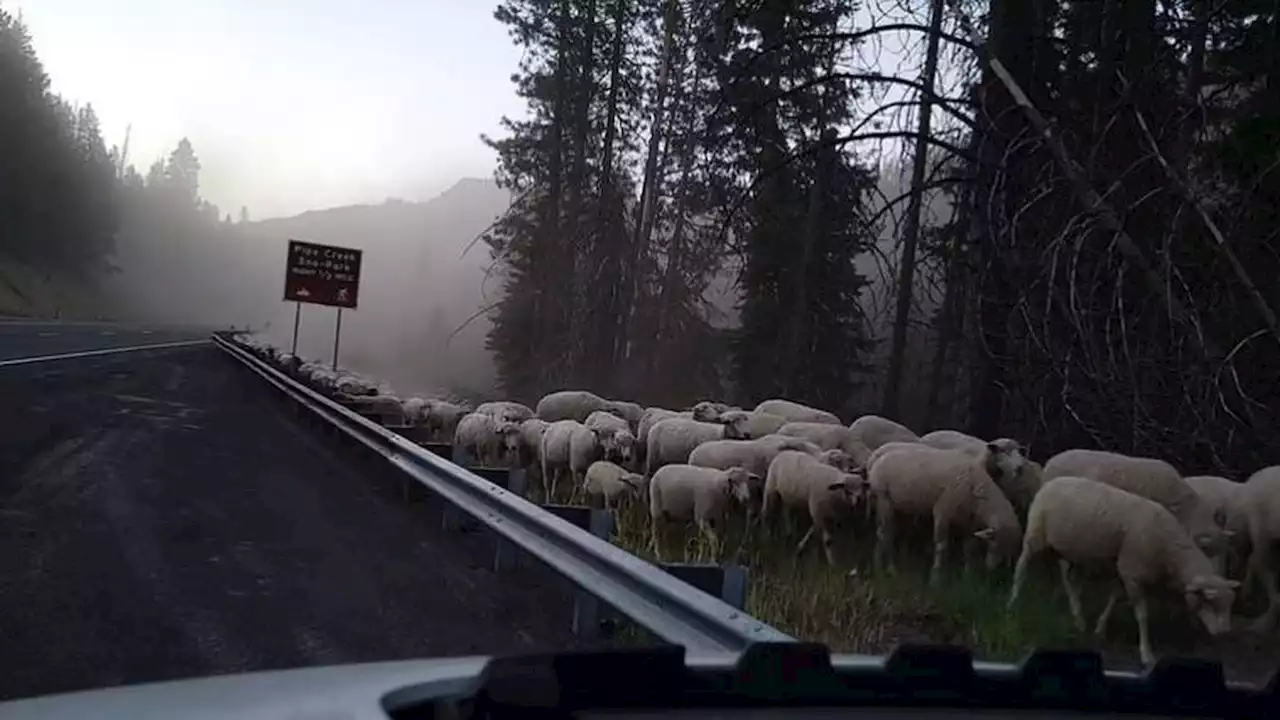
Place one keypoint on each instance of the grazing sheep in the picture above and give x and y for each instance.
(795, 412)
(798, 480)
(828, 437)
(1088, 522)
(628, 411)
(685, 492)
(506, 410)
(710, 411)
(524, 446)
(754, 455)
(555, 454)
(955, 490)
(674, 439)
(616, 438)
(611, 484)
(442, 418)
(887, 448)
(569, 405)
(751, 425)
(1262, 500)
(1227, 500)
(1019, 479)
(415, 410)
(585, 447)
(1150, 478)
(648, 419)
(874, 431)
(478, 435)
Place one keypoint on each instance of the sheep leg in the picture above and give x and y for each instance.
(829, 546)
(1141, 615)
(1072, 586)
(884, 537)
(656, 526)
(1101, 628)
(708, 529)
(941, 543)
(1029, 550)
(804, 541)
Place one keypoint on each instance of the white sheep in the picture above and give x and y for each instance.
(828, 437)
(612, 485)
(710, 410)
(1088, 522)
(1019, 480)
(751, 424)
(415, 410)
(1227, 499)
(614, 433)
(524, 446)
(1262, 498)
(478, 435)
(569, 405)
(1150, 478)
(674, 439)
(874, 431)
(795, 412)
(952, 488)
(754, 455)
(628, 411)
(799, 481)
(555, 454)
(442, 418)
(684, 492)
(506, 410)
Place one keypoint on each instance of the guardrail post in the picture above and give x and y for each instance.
(727, 582)
(586, 608)
(451, 519)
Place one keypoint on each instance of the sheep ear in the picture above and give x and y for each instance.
(985, 533)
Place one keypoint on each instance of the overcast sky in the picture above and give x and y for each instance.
(291, 104)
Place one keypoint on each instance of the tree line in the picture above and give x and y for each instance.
(1102, 276)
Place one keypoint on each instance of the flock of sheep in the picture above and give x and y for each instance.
(1137, 518)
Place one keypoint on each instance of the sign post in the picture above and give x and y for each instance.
(322, 275)
(297, 317)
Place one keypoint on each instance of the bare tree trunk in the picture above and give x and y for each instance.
(950, 315)
(911, 230)
(546, 308)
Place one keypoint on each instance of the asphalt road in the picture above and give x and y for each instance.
(34, 338)
(161, 517)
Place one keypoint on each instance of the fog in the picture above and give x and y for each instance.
(417, 287)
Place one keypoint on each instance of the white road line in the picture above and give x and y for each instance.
(104, 351)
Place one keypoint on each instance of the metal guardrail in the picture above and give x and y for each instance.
(652, 598)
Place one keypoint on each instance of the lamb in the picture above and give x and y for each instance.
(611, 484)
(955, 490)
(798, 480)
(506, 410)
(874, 431)
(1262, 498)
(1084, 521)
(1150, 478)
(614, 433)
(828, 437)
(795, 412)
(478, 435)
(569, 405)
(684, 492)
(1230, 509)
(750, 424)
(674, 439)
(710, 411)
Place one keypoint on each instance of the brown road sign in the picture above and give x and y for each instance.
(322, 274)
